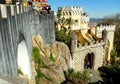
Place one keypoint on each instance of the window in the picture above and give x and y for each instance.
(76, 23)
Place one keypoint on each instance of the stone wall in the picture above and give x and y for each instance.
(108, 36)
(80, 51)
(16, 21)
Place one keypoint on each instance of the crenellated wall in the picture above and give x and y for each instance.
(107, 33)
(100, 28)
(84, 21)
(81, 20)
(73, 12)
(16, 21)
(80, 51)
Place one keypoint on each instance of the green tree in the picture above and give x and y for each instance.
(62, 36)
(62, 21)
(76, 77)
(69, 22)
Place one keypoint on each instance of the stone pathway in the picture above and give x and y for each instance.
(95, 75)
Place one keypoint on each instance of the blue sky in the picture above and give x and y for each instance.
(94, 8)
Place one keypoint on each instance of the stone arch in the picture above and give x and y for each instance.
(89, 60)
(23, 58)
(90, 51)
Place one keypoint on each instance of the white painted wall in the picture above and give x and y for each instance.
(24, 60)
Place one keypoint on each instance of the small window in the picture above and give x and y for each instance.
(76, 23)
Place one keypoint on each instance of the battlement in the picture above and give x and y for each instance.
(90, 45)
(71, 10)
(4, 9)
(109, 27)
(85, 17)
(18, 10)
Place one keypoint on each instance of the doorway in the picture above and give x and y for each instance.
(89, 61)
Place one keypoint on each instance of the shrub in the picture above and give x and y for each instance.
(76, 77)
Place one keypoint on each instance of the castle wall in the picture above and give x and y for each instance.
(76, 17)
(109, 35)
(84, 22)
(81, 51)
(75, 14)
(15, 20)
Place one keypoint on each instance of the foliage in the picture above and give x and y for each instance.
(69, 22)
(111, 72)
(62, 36)
(51, 57)
(20, 72)
(76, 77)
(38, 65)
(65, 23)
(113, 53)
(59, 14)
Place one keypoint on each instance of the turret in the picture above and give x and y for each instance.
(84, 21)
(106, 31)
(101, 27)
(85, 17)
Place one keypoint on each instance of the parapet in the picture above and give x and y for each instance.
(13, 9)
(18, 10)
(72, 10)
(85, 17)
(92, 44)
(108, 27)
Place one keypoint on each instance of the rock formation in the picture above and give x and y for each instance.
(56, 69)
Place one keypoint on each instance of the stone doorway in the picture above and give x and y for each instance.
(89, 61)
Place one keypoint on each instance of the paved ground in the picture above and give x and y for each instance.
(95, 77)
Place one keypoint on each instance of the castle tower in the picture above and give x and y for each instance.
(80, 20)
(84, 21)
(106, 31)
(75, 13)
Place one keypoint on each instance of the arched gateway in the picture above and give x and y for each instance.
(89, 61)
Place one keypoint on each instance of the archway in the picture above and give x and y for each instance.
(24, 63)
(89, 61)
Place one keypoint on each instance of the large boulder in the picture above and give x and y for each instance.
(61, 54)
